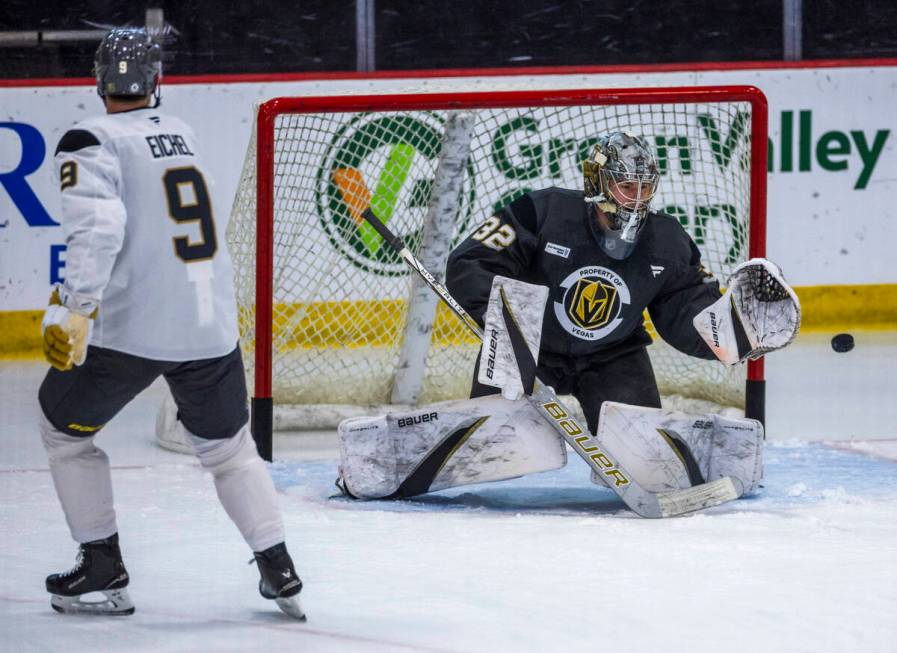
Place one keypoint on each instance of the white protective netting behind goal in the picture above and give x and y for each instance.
(340, 297)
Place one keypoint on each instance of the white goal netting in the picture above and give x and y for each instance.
(341, 297)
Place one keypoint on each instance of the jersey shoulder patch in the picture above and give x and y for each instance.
(76, 139)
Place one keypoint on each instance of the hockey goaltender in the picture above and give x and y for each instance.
(570, 273)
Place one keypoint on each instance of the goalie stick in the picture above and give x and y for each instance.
(587, 446)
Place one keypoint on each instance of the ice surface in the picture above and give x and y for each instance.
(549, 562)
(814, 393)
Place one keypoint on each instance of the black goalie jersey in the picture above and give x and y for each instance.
(595, 305)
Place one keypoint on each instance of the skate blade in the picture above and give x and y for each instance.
(291, 607)
(114, 603)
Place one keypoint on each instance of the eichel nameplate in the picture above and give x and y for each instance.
(164, 145)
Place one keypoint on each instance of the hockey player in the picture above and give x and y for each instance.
(605, 257)
(148, 292)
(568, 280)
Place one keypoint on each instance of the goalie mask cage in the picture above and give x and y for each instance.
(331, 318)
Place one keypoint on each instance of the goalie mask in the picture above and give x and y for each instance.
(621, 178)
(128, 62)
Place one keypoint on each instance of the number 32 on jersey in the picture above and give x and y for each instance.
(494, 234)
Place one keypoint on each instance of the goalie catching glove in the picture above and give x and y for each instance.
(66, 333)
(758, 313)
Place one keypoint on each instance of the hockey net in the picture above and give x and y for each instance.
(324, 305)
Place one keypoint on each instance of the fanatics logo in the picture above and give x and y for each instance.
(656, 270)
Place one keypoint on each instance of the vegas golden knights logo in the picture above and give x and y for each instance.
(68, 175)
(592, 303)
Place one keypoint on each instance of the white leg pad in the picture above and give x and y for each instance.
(80, 472)
(244, 487)
(445, 445)
(658, 446)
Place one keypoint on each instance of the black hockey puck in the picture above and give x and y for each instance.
(843, 342)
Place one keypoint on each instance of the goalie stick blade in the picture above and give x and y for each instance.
(706, 495)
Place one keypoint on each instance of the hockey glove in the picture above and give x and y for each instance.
(758, 313)
(66, 334)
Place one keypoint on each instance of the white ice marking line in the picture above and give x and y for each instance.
(293, 626)
(128, 468)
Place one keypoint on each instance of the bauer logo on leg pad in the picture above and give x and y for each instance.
(493, 352)
(416, 419)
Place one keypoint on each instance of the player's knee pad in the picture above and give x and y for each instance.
(220, 456)
(171, 433)
(445, 445)
(61, 446)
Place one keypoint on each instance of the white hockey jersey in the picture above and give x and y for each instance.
(144, 232)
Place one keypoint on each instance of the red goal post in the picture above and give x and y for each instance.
(257, 321)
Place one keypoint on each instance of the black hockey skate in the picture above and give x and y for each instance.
(99, 568)
(279, 580)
